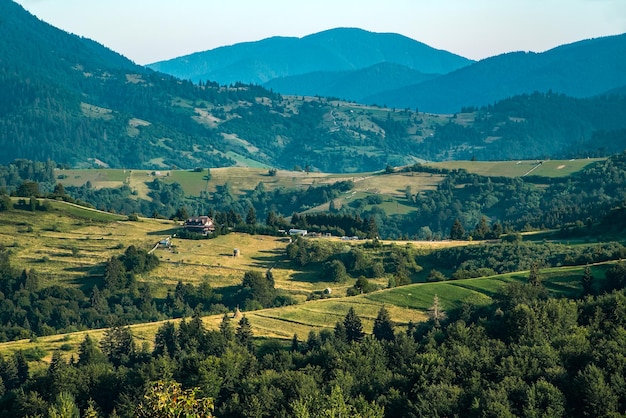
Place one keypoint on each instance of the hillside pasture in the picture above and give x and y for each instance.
(68, 244)
(516, 168)
(98, 177)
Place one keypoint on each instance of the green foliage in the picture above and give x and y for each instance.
(258, 288)
(353, 326)
(64, 407)
(383, 326)
(244, 334)
(167, 399)
(5, 203)
(457, 232)
(118, 345)
(335, 271)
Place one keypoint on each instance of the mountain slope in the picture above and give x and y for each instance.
(581, 69)
(26, 40)
(349, 85)
(333, 50)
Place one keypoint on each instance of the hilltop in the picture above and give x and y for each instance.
(340, 49)
(582, 69)
(94, 108)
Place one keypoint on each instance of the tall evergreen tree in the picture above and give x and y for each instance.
(166, 340)
(383, 326)
(482, 229)
(88, 352)
(533, 276)
(354, 327)
(457, 232)
(244, 334)
(118, 345)
(226, 329)
(251, 216)
(587, 281)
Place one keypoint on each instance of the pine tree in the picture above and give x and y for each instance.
(372, 228)
(251, 216)
(118, 345)
(295, 344)
(64, 407)
(383, 326)
(482, 229)
(533, 276)
(88, 352)
(22, 367)
(354, 327)
(166, 340)
(244, 334)
(457, 232)
(587, 281)
(226, 329)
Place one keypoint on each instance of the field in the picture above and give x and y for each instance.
(547, 168)
(244, 179)
(391, 187)
(69, 245)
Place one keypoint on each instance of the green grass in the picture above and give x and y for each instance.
(86, 213)
(549, 168)
(98, 177)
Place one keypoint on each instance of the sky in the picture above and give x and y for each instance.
(148, 31)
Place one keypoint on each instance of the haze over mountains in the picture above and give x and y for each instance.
(76, 102)
(342, 49)
(348, 64)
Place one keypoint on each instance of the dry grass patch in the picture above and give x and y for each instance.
(66, 249)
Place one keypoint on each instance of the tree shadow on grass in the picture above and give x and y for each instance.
(309, 276)
(170, 231)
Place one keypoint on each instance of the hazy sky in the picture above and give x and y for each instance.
(152, 30)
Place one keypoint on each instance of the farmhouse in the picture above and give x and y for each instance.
(200, 225)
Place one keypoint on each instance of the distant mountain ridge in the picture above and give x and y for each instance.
(74, 101)
(334, 50)
(581, 69)
(393, 70)
(354, 85)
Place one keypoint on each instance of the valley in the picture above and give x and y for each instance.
(345, 224)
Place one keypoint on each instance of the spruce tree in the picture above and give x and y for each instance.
(226, 329)
(383, 326)
(533, 276)
(353, 326)
(244, 334)
(587, 281)
(457, 232)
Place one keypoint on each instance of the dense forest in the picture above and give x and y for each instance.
(528, 354)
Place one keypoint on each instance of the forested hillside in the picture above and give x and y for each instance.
(80, 104)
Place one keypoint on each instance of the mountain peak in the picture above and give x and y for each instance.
(338, 49)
